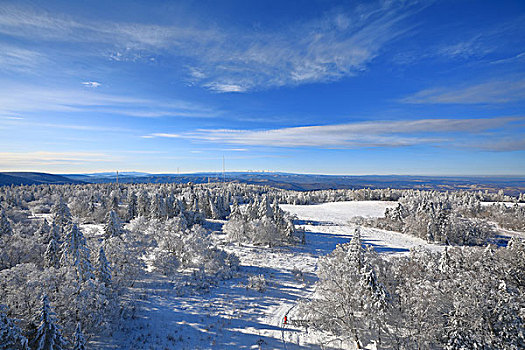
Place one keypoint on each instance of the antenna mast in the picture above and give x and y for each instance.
(117, 178)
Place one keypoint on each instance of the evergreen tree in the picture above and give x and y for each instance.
(11, 337)
(78, 339)
(143, 203)
(5, 225)
(61, 214)
(103, 268)
(112, 227)
(91, 204)
(114, 201)
(48, 336)
(51, 257)
(75, 252)
(132, 205)
(43, 232)
(355, 251)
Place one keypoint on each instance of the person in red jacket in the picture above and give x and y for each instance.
(285, 319)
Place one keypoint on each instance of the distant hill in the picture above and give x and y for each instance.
(300, 182)
(32, 178)
(304, 182)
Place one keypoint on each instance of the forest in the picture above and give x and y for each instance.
(72, 255)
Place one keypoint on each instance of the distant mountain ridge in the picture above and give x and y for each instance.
(34, 178)
(300, 182)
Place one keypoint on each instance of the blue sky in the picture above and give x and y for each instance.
(372, 87)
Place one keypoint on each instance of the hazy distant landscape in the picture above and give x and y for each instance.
(299, 182)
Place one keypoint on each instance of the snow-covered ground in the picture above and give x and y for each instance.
(508, 204)
(335, 219)
(232, 316)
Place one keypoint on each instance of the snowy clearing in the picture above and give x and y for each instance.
(234, 316)
(335, 219)
(339, 212)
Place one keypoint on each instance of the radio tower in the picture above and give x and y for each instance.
(223, 178)
(117, 178)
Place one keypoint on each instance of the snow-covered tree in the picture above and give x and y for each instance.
(5, 225)
(43, 232)
(11, 337)
(236, 228)
(79, 342)
(143, 202)
(48, 335)
(75, 252)
(61, 214)
(132, 206)
(112, 226)
(51, 255)
(103, 268)
(350, 297)
(114, 201)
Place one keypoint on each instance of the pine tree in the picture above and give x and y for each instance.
(75, 252)
(91, 204)
(103, 268)
(355, 251)
(43, 232)
(214, 213)
(54, 233)
(143, 203)
(51, 258)
(5, 225)
(112, 227)
(235, 211)
(132, 206)
(48, 336)
(114, 200)
(11, 337)
(61, 214)
(78, 339)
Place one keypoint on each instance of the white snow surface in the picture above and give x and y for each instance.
(507, 204)
(232, 316)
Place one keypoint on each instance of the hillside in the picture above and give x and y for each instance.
(33, 178)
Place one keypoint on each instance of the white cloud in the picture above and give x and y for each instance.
(219, 87)
(495, 91)
(91, 84)
(165, 135)
(16, 160)
(337, 45)
(354, 135)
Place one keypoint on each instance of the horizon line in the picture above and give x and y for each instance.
(260, 172)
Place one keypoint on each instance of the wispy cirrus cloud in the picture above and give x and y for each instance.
(16, 99)
(14, 160)
(513, 59)
(337, 45)
(17, 59)
(160, 134)
(494, 91)
(357, 135)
